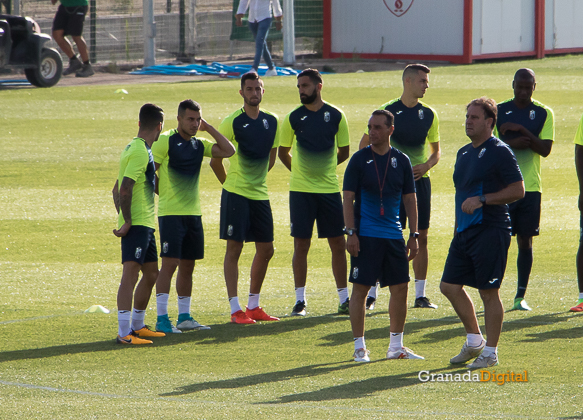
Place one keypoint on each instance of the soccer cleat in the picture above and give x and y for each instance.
(423, 302)
(484, 361)
(520, 305)
(299, 308)
(370, 302)
(271, 72)
(131, 339)
(468, 353)
(187, 323)
(361, 355)
(239, 317)
(74, 65)
(258, 314)
(86, 71)
(145, 331)
(404, 353)
(343, 308)
(163, 324)
(577, 308)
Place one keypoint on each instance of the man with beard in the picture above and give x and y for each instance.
(178, 157)
(316, 132)
(245, 209)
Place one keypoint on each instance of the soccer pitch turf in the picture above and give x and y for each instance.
(60, 150)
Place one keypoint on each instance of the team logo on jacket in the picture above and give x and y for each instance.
(421, 115)
(194, 144)
(327, 116)
(355, 272)
(265, 124)
(165, 247)
(532, 114)
(230, 230)
(482, 152)
(398, 7)
(138, 252)
(394, 162)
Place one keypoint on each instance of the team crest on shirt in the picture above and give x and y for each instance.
(532, 114)
(194, 144)
(327, 116)
(165, 247)
(138, 252)
(421, 114)
(355, 272)
(482, 152)
(230, 230)
(265, 124)
(394, 162)
(398, 7)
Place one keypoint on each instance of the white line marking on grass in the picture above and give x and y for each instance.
(32, 319)
(259, 405)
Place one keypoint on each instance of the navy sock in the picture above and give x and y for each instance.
(524, 265)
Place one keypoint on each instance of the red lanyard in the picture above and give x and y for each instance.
(381, 186)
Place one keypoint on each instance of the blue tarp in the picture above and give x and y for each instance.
(217, 69)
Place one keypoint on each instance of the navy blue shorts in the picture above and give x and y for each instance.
(245, 220)
(324, 209)
(181, 237)
(139, 245)
(525, 214)
(423, 193)
(477, 258)
(382, 260)
(70, 19)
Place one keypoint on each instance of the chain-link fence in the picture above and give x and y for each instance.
(114, 31)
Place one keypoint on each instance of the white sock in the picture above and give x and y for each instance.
(396, 343)
(183, 305)
(580, 295)
(420, 288)
(343, 294)
(373, 291)
(474, 340)
(234, 302)
(359, 343)
(124, 323)
(138, 317)
(253, 301)
(490, 350)
(301, 294)
(162, 303)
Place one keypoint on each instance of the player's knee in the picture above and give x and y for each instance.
(301, 246)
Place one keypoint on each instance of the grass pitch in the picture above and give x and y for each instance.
(60, 149)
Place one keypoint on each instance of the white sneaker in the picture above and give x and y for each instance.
(191, 324)
(271, 72)
(361, 355)
(468, 353)
(484, 361)
(404, 353)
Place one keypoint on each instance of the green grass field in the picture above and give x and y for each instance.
(59, 153)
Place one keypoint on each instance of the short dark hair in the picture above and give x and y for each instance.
(412, 69)
(150, 116)
(188, 104)
(249, 76)
(489, 107)
(525, 74)
(313, 74)
(389, 118)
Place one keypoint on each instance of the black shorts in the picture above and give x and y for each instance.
(181, 237)
(139, 245)
(423, 193)
(325, 209)
(525, 214)
(70, 20)
(245, 220)
(382, 260)
(477, 258)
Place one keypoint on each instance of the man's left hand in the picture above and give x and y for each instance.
(471, 204)
(420, 170)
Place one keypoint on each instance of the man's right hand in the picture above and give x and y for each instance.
(353, 245)
(54, 1)
(239, 20)
(123, 230)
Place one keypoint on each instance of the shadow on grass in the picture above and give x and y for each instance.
(219, 333)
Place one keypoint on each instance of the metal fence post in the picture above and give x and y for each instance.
(15, 8)
(192, 29)
(93, 31)
(289, 36)
(149, 33)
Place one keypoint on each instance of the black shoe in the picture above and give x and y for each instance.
(423, 302)
(74, 65)
(86, 71)
(370, 301)
(299, 309)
